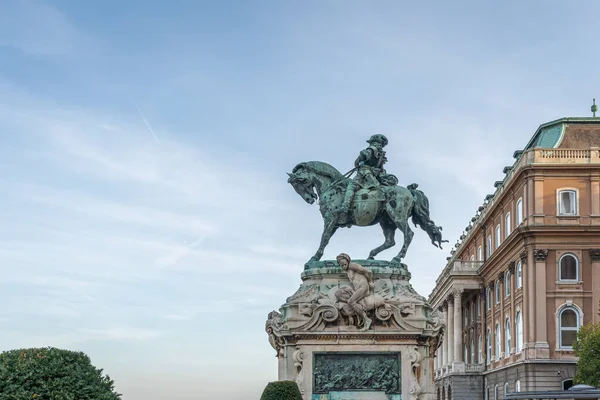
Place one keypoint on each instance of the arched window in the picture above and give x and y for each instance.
(519, 211)
(498, 237)
(489, 246)
(568, 268)
(487, 393)
(443, 393)
(519, 329)
(507, 225)
(479, 350)
(449, 392)
(507, 337)
(496, 392)
(439, 395)
(507, 284)
(479, 306)
(568, 325)
(498, 343)
(519, 271)
(497, 291)
(517, 385)
(472, 257)
(567, 202)
(488, 340)
(505, 388)
(488, 298)
(465, 354)
(479, 254)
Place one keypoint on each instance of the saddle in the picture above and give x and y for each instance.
(366, 205)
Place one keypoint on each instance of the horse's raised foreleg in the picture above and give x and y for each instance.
(328, 231)
(389, 231)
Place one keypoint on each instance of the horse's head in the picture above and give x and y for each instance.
(303, 185)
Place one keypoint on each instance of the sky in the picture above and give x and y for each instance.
(145, 215)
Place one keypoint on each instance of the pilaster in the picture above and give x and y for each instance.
(542, 349)
(595, 259)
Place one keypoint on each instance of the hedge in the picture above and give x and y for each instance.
(281, 390)
(52, 374)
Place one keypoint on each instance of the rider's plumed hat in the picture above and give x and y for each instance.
(378, 138)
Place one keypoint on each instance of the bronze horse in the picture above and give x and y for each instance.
(388, 206)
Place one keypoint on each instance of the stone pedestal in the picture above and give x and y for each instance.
(321, 344)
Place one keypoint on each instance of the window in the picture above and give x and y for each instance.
(478, 306)
(487, 393)
(479, 352)
(473, 257)
(489, 246)
(568, 268)
(507, 337)
(505, 388)
(567, 384)
(507, 284)
(507, 225)
(488, 298)
(519, 212)
(567, 202)
(498, 238)
(472, 360)
(497, 291)
(517, 385)
(568, 322)
(498, 344)
(519, 330)
(496, 392)
(519, 270)
(488, 343)
(479, 254)
(466, 316)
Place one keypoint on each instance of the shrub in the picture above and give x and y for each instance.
(587, 348)
(52, 374)
(281, 390)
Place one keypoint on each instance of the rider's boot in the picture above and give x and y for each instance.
(348, 198)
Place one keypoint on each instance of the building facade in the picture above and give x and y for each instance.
(525, 274)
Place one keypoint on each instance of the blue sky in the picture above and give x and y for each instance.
(145, 216)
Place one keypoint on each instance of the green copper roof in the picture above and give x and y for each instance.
(550, 136)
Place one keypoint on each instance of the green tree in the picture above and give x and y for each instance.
(587, 348)
(281, 390)
(52, 374)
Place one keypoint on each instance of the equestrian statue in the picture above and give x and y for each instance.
(371, 197)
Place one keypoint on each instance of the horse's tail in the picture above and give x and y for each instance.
(420, 216)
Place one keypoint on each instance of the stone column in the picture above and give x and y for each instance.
(450, 330)
(595, 258)
(447, 336)
(458, 362)
(542, 349)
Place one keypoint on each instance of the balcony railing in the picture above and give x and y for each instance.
(466, 266)
(470, 368)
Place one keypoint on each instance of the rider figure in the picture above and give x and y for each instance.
(369, 166)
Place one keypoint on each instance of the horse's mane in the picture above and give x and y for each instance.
(321, 168)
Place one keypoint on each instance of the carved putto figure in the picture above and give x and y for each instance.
(362, 283)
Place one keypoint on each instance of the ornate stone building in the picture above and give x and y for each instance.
(525, 274)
